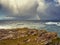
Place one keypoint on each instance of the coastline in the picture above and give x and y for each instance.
(26, 36)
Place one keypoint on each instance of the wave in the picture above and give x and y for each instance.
(53, 23)
(22, 25)
(38, 25)
(49, 23)
(58, 24)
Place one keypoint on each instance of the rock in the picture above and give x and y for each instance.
(29, 35)
(32, 32)
(27, 40)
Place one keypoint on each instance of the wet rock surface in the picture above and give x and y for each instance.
(25, 35)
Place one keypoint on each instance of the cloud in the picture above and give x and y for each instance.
(42, 6)
(30, 9)
(52, 12)
(25, 9)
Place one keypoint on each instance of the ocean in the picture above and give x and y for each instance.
(51, 26)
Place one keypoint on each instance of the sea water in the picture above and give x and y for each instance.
(49, 26)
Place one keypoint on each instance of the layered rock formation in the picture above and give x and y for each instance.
(28, 36)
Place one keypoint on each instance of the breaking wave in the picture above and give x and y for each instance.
(21, 25)
(53, 23)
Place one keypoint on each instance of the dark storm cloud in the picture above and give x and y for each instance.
(52, 12)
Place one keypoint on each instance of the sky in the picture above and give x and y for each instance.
(29, 9)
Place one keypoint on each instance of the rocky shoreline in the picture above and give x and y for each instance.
(27, 36)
